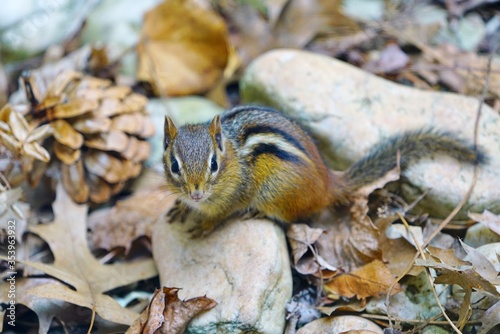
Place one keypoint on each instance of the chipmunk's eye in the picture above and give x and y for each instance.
(174, 165)
(213, 164)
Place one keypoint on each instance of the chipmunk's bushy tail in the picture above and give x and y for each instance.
(412, 146)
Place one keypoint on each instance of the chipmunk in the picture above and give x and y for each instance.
(258, 159)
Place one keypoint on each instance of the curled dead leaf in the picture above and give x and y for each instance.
(302, 239)
(167, 314)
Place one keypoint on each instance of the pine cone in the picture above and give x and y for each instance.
(99, 131)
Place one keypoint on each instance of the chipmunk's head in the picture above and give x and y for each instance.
(192, 159)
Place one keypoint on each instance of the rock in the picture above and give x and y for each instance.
(340, 324)
(29, 27)
(242, 265)
(350, 110)
(434, 330)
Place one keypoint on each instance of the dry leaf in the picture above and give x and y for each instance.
(371, 280)
(302, 237)
(464, 72)
(488, 219)
(45, 309)
(467, 275)
(74, 264)
(167, 314)
(490, 319)
(183, 49)
(291, 24)
(397, 253)
(128, 220)
(390, 60)
(13, 213)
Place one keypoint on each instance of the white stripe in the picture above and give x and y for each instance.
(267, 138)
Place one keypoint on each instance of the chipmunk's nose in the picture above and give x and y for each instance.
(197, 195)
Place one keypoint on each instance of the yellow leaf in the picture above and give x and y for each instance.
(373, 279)
(183, 49)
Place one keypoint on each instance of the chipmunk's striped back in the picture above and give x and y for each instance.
(259, 131)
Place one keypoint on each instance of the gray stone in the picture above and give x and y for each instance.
(350, 110)
(242, 265)
(340, 324)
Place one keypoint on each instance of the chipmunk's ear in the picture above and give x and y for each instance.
(169, 131)
(215, 130)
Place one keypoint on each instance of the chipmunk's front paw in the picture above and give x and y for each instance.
(201, 229)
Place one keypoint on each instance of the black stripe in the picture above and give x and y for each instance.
(237, 110)
(270, 129)
(274, 150)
